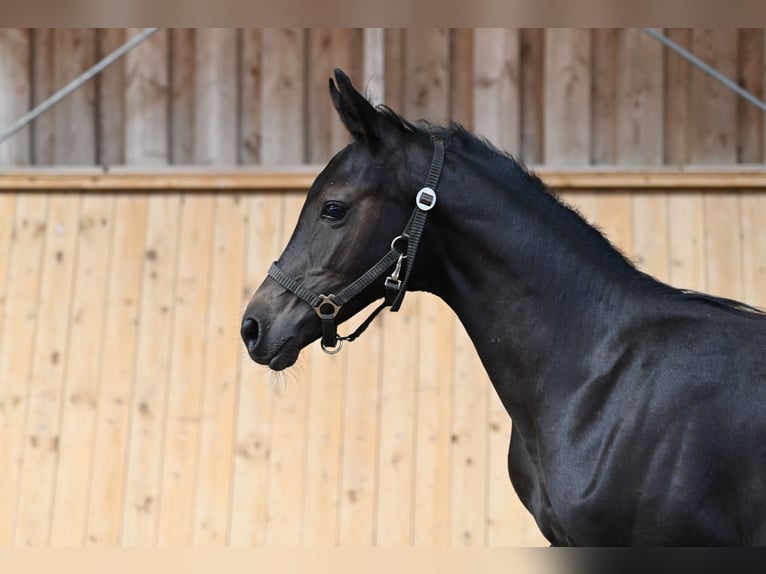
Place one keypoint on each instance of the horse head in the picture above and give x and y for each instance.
(354, 210)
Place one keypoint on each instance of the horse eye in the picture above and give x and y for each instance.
(333, 210)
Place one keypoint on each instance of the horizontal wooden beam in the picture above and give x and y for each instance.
(299, 178)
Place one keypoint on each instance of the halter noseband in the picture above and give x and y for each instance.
(328, 306)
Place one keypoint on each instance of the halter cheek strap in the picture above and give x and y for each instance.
(328, 306)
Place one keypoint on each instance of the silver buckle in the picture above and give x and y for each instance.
(425, 199)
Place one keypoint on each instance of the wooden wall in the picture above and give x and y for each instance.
(131, 415)
(129, 412)
(213, 96)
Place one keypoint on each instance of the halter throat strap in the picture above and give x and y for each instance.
(327, 307)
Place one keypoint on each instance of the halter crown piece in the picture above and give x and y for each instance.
(328, 306)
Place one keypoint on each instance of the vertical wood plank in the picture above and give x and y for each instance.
(256, 395)
(107, 486)
(283, 96)
(360, 440)
(15, 93)
(16, 353)
(329, 49)
(395, 72)
(685, 209)
(110, 90)
(469, 440)
(461, 85)
(714, 140)
(567, 96)
(496, 94)
(214, 470)
(215, 88)
(532, 78)
(325, 403)
(639, 142)
(374, 64)
(146, 142)
(182, 71)
(612, 211)
(43, 85)
(79, 410)
(251, 108)
(187, 372)
(47, 378)
(216, 139)
(74, 118)
(750, 75)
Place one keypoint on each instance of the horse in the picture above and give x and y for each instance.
(638, 409)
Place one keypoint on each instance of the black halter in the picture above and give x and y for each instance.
(328, 306)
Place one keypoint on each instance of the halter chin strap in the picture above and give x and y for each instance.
(327, 306)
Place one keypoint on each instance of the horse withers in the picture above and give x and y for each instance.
(639, 410)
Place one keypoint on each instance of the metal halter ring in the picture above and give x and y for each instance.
(404, 237)
(332, 350)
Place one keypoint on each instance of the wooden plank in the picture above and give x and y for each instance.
(532, 78)
(612, 211)
(639, 142)
(496, 93)
(216, 138)
(111, 87)
(395, 72)
(596, 179)
(256, 397)
(433, 484)
(685, 209)
(283, 92)
(750, 75)
(47, 378)
(461, 86)
(117, 373)
(146, 94)
(187, 371)
(79, 410)
(43, 85)
(714, 139)
(325, 400)
(15, 93)
(374, 64)
(361, 423)
(214, 469)
(287, 470)
(146, 142)
(567, 96)
(149, 404)
(469, 440)
(75, 116)
(16, 354)
(329, 49)
(182, 95)
(251, 109)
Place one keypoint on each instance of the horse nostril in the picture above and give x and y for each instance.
(249, 332)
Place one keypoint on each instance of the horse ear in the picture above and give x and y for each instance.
(357, 114)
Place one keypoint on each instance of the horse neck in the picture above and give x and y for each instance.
(527, 278)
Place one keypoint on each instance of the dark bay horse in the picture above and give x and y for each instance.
(639, 410)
